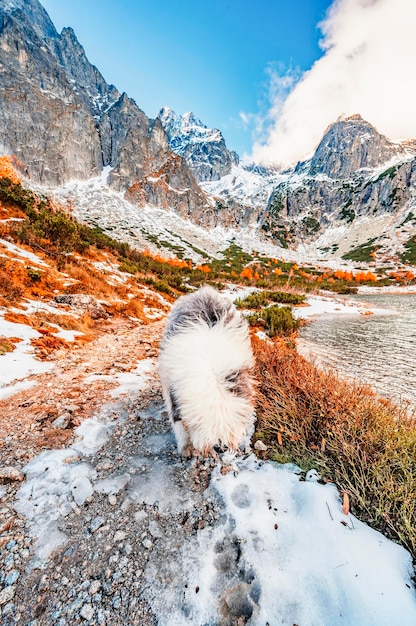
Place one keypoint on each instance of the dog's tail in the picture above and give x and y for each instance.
(208, 370)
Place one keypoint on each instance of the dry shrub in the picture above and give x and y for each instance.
(47, 344)
(91, 281)
(6, 345)
(365, 444)
(19, 280)
(130, 308)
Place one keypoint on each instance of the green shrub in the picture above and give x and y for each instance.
(34, 274)
(278, 321)
(261, 299)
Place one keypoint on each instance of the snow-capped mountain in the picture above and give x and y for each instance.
(357, 186)
(203, 148)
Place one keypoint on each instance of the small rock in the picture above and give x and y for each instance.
(120, 535)
(259, 445)
(83, 302)
(87, 612)
(112, 498)
(154, 529)
(94, 587)
(96, 523)
(7, 594)
(11, 473)
(11, 578)
(62, 421)
(147, 544)
(71, 408)
(105, 465)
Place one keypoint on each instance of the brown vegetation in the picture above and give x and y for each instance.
(363, 443)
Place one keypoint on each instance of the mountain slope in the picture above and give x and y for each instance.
(357, 186)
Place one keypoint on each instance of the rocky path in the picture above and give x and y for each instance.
(110, 534)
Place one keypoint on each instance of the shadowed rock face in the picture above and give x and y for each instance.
(42, 120)
(61, 119)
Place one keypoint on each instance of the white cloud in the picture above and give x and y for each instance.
(368, 67)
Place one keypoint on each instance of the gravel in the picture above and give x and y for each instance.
(124, 550)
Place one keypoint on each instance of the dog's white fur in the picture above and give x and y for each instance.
(204, 365)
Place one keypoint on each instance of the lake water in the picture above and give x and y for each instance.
(376, 349)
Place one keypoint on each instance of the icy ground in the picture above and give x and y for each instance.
(122, 531)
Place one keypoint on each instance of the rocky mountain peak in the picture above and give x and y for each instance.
(351, 144)
(32, 12)
(203, 148)
(189, 119)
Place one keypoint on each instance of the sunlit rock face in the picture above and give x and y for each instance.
(62, 121)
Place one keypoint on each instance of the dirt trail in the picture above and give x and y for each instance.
(25, 426)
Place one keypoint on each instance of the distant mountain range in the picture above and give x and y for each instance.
(64, 123)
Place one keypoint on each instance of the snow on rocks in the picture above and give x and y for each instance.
(20, 363)
(57, 482)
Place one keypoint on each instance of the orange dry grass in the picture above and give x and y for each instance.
(17, 283)
(366, 444)
(45, 320)
(91, 281)
(130, 308)
(47, 344)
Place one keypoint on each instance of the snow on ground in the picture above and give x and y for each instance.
(59, 481)
(244, 186)
(313, 564)
(33, 306)
(333, 305)
(342, 238)
(10, 390)
(21, 252)
(392, 289)
(95, 203)
(20, 363)
(132, 382)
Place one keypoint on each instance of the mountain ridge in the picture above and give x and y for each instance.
(203, 148)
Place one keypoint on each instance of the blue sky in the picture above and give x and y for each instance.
(213, 58)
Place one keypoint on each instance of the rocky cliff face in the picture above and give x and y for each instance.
(42, 120)
(352, 144)
(63, 121)
(354, 173)
(203, 148)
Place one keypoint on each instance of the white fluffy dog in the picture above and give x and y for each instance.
(205, 364)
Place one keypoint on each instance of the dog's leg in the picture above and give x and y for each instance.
(183, 442)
